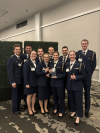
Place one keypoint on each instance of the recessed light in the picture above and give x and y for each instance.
(5, 22)
(26, 10)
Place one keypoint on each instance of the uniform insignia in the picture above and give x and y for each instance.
(80, 59)
(16, 61)
(19, 64)
(12, 55)
(67, 70)
(30, 66)
(32, 69)
(76, 68)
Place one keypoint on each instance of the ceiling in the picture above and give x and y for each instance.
(16, 11)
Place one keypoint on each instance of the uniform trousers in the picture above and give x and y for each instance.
(87, 86)
(58, 93)
(16, 97)
(76, 101)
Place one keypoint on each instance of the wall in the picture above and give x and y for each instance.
(68, 24)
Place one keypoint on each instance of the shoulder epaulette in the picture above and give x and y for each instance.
(11, 55)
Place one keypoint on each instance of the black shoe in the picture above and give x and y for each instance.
(42, 113)
(60, 116)
(47, 112)
(72, 116)
(34, 112)
(31, 114)
(17, 113)
(55, 113)
(21, 109)
(76, 124)
(87, 115)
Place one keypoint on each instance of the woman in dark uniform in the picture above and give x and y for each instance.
(42, 73)
(75, 73)
(30, 89)
(57, 83)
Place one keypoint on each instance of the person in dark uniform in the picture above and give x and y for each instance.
(75, 72)
(28, 50)
(57, 83)
(15, 74)
(51, 51)
(88, 58)
(40, 53)
(43, 78)
(25, 57)
(29, 72)
(64, 59)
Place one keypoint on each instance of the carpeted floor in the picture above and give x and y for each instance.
(49, 123)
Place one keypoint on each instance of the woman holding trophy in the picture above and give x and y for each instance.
(57, 71)
(43, 79)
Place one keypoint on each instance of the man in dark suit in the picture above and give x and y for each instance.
(15, 74)
(64, 59)
(25, 57)
(51, 51)
(88, 58)
(40, 53)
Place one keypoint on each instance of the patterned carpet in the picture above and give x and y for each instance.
(49, 123)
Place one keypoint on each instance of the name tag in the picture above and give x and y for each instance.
(67, 70)
(25, 60)
(32, 69)
(19, 64)
(80, 59)
(76, 68)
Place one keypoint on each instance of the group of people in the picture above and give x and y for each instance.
(49, 71)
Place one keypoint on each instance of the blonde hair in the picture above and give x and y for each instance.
(72, 51)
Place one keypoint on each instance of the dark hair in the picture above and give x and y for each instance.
(85, 40)
(39, 48)
(16, 45)
(50, 47)
(28, 45)
(56, 52)
(65, 47)
(72, 51)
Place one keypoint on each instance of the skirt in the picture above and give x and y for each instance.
(29, 91)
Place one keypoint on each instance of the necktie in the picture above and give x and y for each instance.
(28, 57)
(64, 59)
(54, 64)
(71, 65)
(50, 57)
(34, 64)
(84, 53)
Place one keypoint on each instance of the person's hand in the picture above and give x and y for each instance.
(14, 85)
(47, 69)
(54, 77)
(73, 76)
(27, 86)
(47, 75)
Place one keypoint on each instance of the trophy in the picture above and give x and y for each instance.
(53, 72)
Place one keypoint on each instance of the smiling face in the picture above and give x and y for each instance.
(51, 50)
(55, 56)
(40, 52)
(28, 49)
(33, 55)
(46, 58)
(17, 51)
(72, 56)
(84, 45)
(65, 51)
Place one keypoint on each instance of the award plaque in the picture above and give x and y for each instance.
(53, 72)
